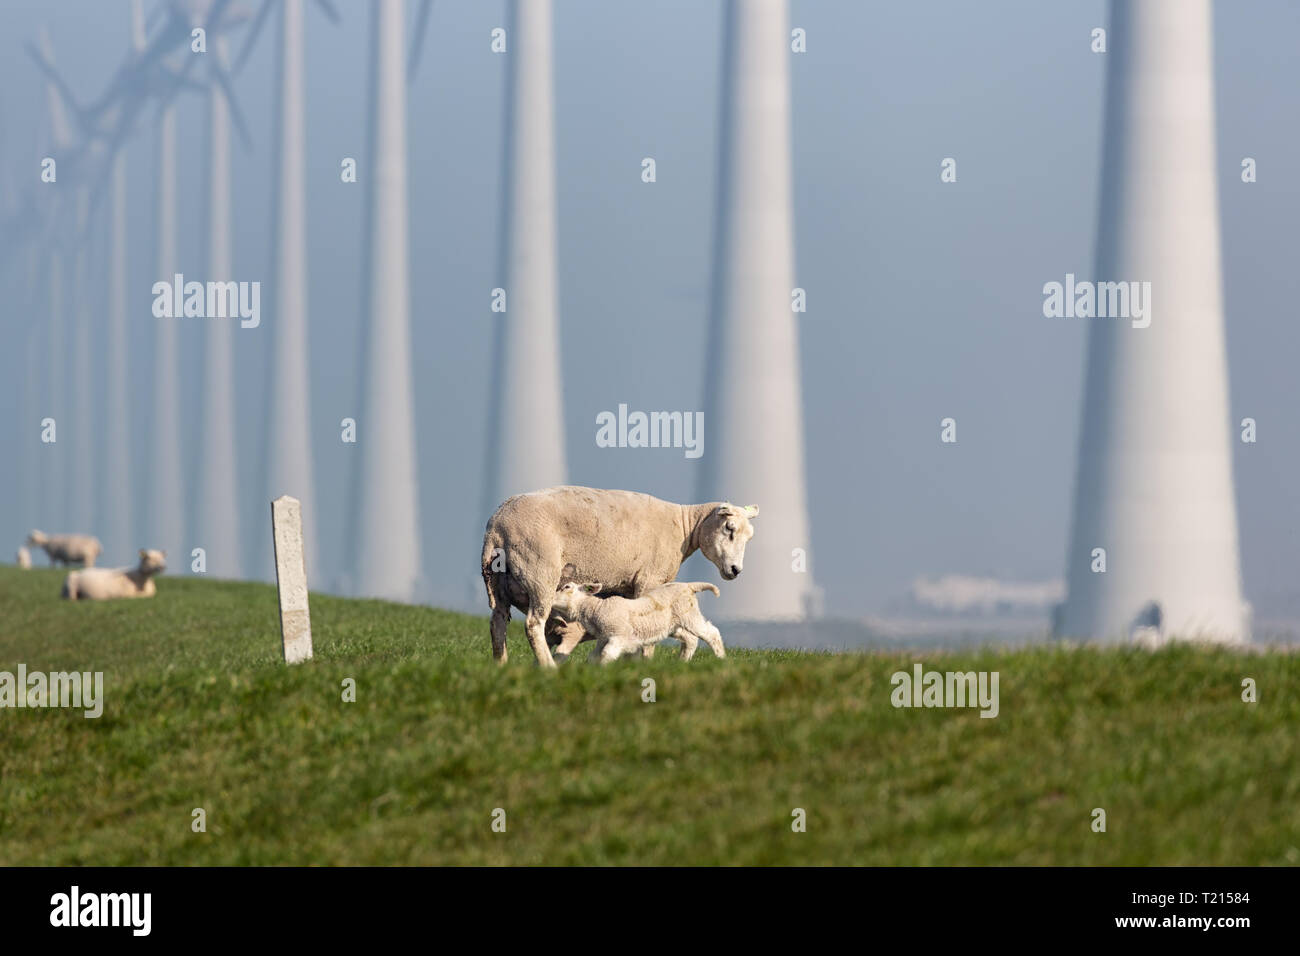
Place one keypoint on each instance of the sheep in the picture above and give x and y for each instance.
(621, 624)
(24, 558)
(67, 548)
(632, 542)
(106, 584)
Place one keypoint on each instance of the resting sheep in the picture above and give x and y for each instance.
(621, 624)
(632, 542)
(24, 558)
(67, 548)
(106, 584)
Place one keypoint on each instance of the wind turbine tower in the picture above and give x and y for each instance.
(386, 516)
(526, 425)
(55, 462)
(753, 400)
(1154, 486)
(216, 513)
(288, 441)
(166, 510)
(116, 504)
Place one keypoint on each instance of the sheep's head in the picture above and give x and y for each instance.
(723, 536)
(36, 538)
(153, 562)
(569, 594)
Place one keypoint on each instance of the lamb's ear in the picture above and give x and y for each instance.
(750, 511)
(591, 587)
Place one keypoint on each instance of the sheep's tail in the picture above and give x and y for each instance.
(492, 580)
(698, 586)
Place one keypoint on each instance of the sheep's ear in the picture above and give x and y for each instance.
(144, 553)
(724, 510)
(750, 511)
(592, 587)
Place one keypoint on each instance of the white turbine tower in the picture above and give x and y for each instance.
(288, 435)
(54, 463)
(288, 455)
(216, 512)
(526, 422)
(116, 505)
(386, 532)
(81, 494)
(753, 401)
(165, 506)
(1154, 484)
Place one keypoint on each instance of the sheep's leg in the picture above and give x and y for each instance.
(539, 609)
(689, 642)
(613, 649)
(713, 637)
(500, 620)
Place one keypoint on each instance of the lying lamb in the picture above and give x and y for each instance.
(623, 624)
(24, 558)
(105, 584)
(67, 548)
(632, 542)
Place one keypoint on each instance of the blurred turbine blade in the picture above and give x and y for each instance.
(56, 91)
(331, 11)
(417, 39)
(137, 25)
(253, 31)
(222, 79)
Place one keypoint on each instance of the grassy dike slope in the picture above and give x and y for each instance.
(200, 713)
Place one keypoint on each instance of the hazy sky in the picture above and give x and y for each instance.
(924, 299)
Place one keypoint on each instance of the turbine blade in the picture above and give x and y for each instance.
(331, 11)
(253, 31)
(222, 79)
(137, 25)
(417, 38)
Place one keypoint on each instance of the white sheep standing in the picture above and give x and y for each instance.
(24, 558)
(106, 584)
(67, 548)
(621, 624)
(631, 542)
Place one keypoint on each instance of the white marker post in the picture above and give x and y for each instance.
(291, 578)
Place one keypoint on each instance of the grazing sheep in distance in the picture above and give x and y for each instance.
(24, 558)
(632, 542)
(67, 548)
(106, 584)
(621, 624)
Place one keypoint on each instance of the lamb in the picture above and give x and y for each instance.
(67, 548)
(632, 542)
(24, 558)
(621, 624)
(106, 584)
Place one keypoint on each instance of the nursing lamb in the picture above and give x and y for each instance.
(620, 625)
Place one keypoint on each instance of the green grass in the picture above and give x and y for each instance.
(200, 712)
